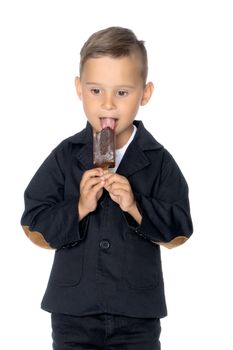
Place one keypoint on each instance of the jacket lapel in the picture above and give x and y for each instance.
(85, 156)
(135, 157)
(84, 151)
(134, 160)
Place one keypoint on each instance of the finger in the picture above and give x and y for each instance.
(109, 180)
(98, 187)
(118, 186)
(109, 175)
(91, 183)
(123, 198)
(120, 192)
(92, 173)
(96, 172)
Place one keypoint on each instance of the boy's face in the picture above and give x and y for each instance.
(113, 88)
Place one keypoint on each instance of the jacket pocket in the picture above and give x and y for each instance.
(68, 266)
(142, 263)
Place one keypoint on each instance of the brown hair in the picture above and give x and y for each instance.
(114, 42)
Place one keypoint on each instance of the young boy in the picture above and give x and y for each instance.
(106, 285)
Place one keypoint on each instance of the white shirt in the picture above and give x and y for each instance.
(119, 153)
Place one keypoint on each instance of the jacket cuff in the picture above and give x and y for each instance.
(82, 230)
(59, 225)
(133, 224)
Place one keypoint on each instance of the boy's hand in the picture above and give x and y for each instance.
(121, 192)
(91, 189)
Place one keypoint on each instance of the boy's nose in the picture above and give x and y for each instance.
(108, 102)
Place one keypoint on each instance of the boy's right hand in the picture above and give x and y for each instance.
(91, 189)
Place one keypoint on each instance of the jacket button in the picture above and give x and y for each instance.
(104, 244)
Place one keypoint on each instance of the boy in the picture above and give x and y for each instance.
(106, 286)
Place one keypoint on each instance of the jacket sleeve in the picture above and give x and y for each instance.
(166, 218)
(49, 220)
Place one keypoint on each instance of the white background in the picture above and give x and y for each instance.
(191, 58)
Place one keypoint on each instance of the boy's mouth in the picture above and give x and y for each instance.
(108, 123)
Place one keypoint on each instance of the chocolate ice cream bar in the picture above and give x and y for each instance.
(104, 148)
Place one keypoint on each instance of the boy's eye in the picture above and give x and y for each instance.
(95, 91)
(122, 93)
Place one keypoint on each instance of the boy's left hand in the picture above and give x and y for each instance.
(119, 190)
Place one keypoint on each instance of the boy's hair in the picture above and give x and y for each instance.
(114, 42)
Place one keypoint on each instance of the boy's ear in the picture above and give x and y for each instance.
(148, 91)
(78, 87)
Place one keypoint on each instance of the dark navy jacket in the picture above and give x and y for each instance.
(107, 263)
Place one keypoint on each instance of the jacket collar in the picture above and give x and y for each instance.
(136, 155)
(144, 139)
(82, 137)
(84, 153)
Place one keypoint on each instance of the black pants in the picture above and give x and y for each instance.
(105, 332)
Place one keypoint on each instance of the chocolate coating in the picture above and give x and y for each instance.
(104, 148)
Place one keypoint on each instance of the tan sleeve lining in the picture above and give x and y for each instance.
(37, 238)
(174, 242)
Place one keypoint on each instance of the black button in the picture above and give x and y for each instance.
(104, 244)
(104, 203)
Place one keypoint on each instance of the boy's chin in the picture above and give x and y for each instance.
(94, 127)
